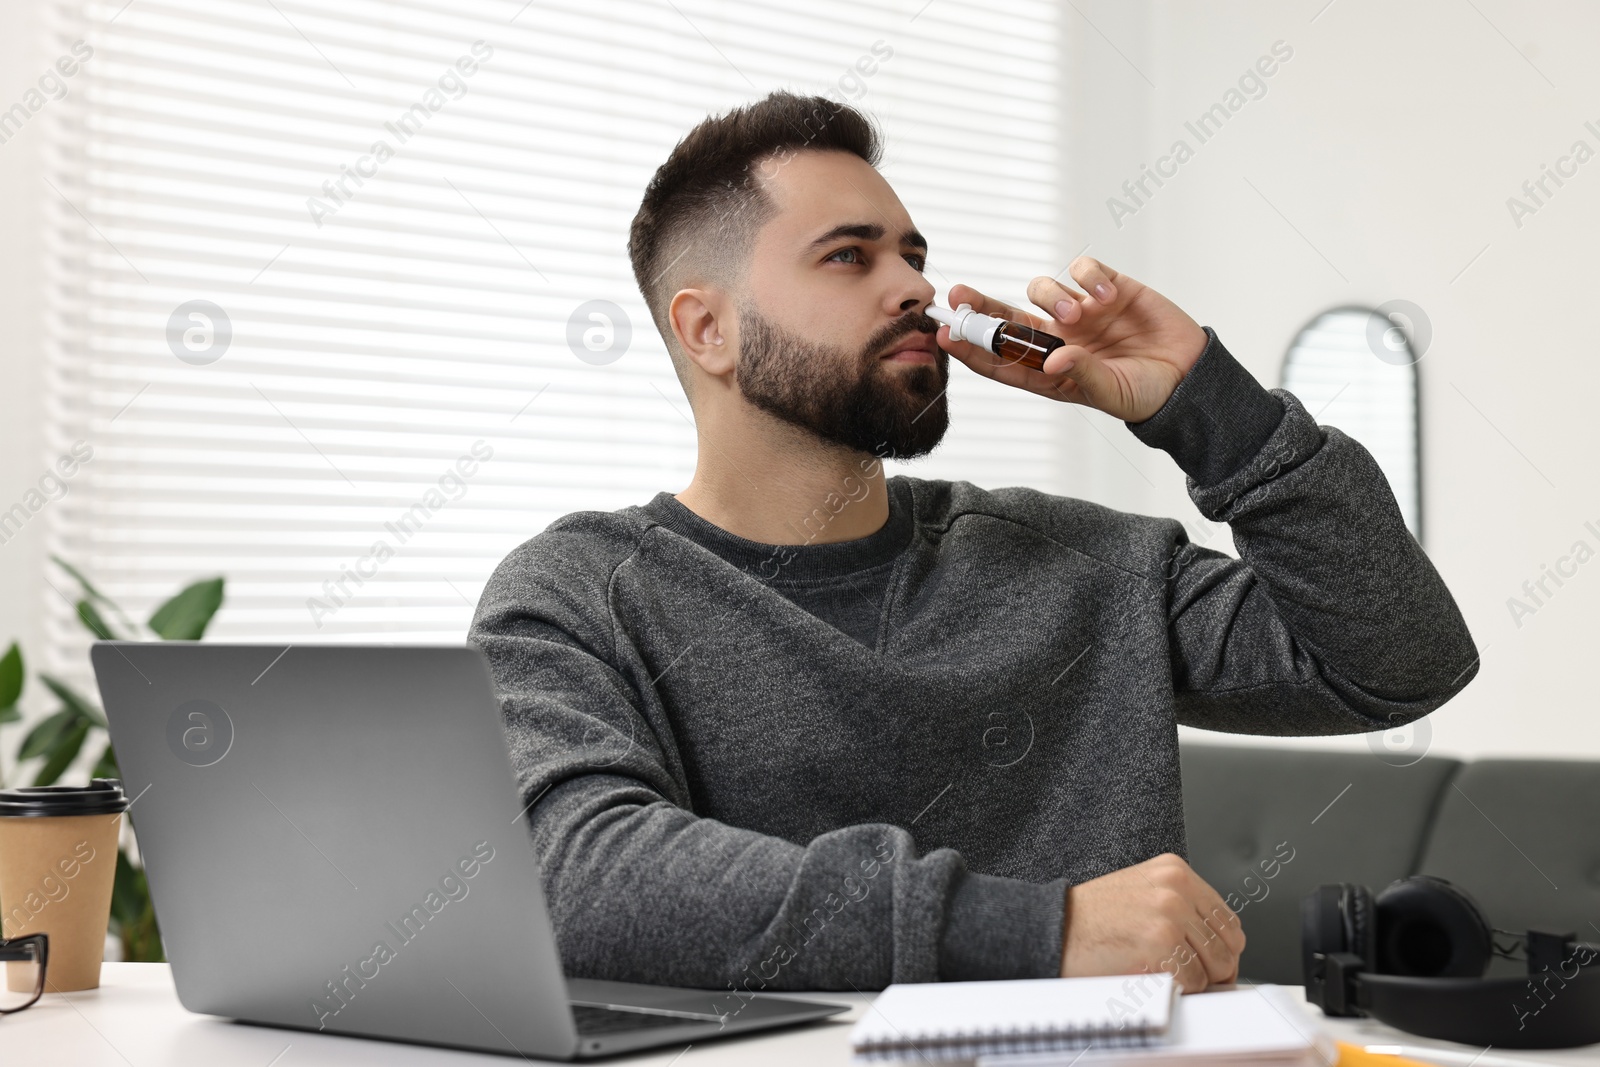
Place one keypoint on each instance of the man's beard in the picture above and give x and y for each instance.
(846, 398)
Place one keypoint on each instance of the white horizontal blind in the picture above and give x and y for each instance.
(376, 336)
(1335, 369)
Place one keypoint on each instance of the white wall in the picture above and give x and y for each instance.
(22, 458)
(1391, 141)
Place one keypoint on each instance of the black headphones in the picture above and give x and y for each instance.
(1414, 958)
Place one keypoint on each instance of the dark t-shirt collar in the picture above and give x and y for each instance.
(801, 562)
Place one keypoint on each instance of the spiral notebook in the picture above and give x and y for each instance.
(1258, 1026)
(962, 1020)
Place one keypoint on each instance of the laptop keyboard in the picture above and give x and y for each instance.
(591, 1020)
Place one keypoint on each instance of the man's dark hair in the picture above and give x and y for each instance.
(703, 207)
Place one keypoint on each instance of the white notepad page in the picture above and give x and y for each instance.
(945, 1020)
(1258, 1026)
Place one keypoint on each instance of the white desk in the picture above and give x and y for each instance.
(134, 1020)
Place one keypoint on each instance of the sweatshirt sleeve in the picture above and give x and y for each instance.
(1332, 619)
(642, 889)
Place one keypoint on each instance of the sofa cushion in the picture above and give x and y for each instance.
(1266, 826)
(1519, 835)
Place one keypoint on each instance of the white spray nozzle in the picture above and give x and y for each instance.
(967, 325)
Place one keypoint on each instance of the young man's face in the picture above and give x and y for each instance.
(834, 287)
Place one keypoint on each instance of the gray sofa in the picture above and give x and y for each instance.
(1521, 836)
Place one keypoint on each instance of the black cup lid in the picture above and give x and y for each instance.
(102, 796)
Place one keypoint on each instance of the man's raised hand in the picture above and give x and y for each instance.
(1127, 346)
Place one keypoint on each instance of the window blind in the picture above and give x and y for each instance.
(316, 272)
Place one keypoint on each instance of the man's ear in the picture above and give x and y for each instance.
(698, 317)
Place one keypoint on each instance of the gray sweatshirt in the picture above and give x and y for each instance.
(836, 766)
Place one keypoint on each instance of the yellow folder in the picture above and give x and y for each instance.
(1356, 1056)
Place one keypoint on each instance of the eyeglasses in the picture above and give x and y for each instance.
(24, 959)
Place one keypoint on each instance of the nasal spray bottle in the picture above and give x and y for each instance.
(1011, 341)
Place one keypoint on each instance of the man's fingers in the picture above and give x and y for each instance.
(1066, 360)
(1197, 919)
(1058, 368)
(983, 361)
(1220, 961)
(1186, 968)
(1198, 960)
(1060, 302)
(1217, 916)
(1226, 922)
(1097, 279)
(1216, 931)
(962, 350)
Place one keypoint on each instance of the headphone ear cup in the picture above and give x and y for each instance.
(1321, 930)
(1333, 918)
(1427, 927)
(1324, 931)
(1361, 923)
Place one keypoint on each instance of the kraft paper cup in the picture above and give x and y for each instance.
(58, 861)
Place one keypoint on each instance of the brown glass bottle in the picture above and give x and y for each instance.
(1011, 342)
(1016, 343)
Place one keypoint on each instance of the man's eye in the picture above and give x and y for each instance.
(918, 262)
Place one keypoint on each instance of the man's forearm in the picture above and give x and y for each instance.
(648, 892)
(1332, 599)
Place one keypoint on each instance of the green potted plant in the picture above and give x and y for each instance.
(56, 740)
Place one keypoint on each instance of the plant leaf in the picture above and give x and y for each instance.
(10, 676)
(94, 594)
(186, 616)
(133, 916)
(106, 765)
(90, 617)
(71, 699)
(141, 939)
(66, 750)
(127, 892)
(88, 588)
(148, 948)
(9, 714)
(43, 736)
(77, 576)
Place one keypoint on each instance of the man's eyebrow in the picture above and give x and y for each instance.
(866, 231)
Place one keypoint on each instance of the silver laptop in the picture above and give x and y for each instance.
(334, 841)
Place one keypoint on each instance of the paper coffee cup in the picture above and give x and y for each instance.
(58, 861)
